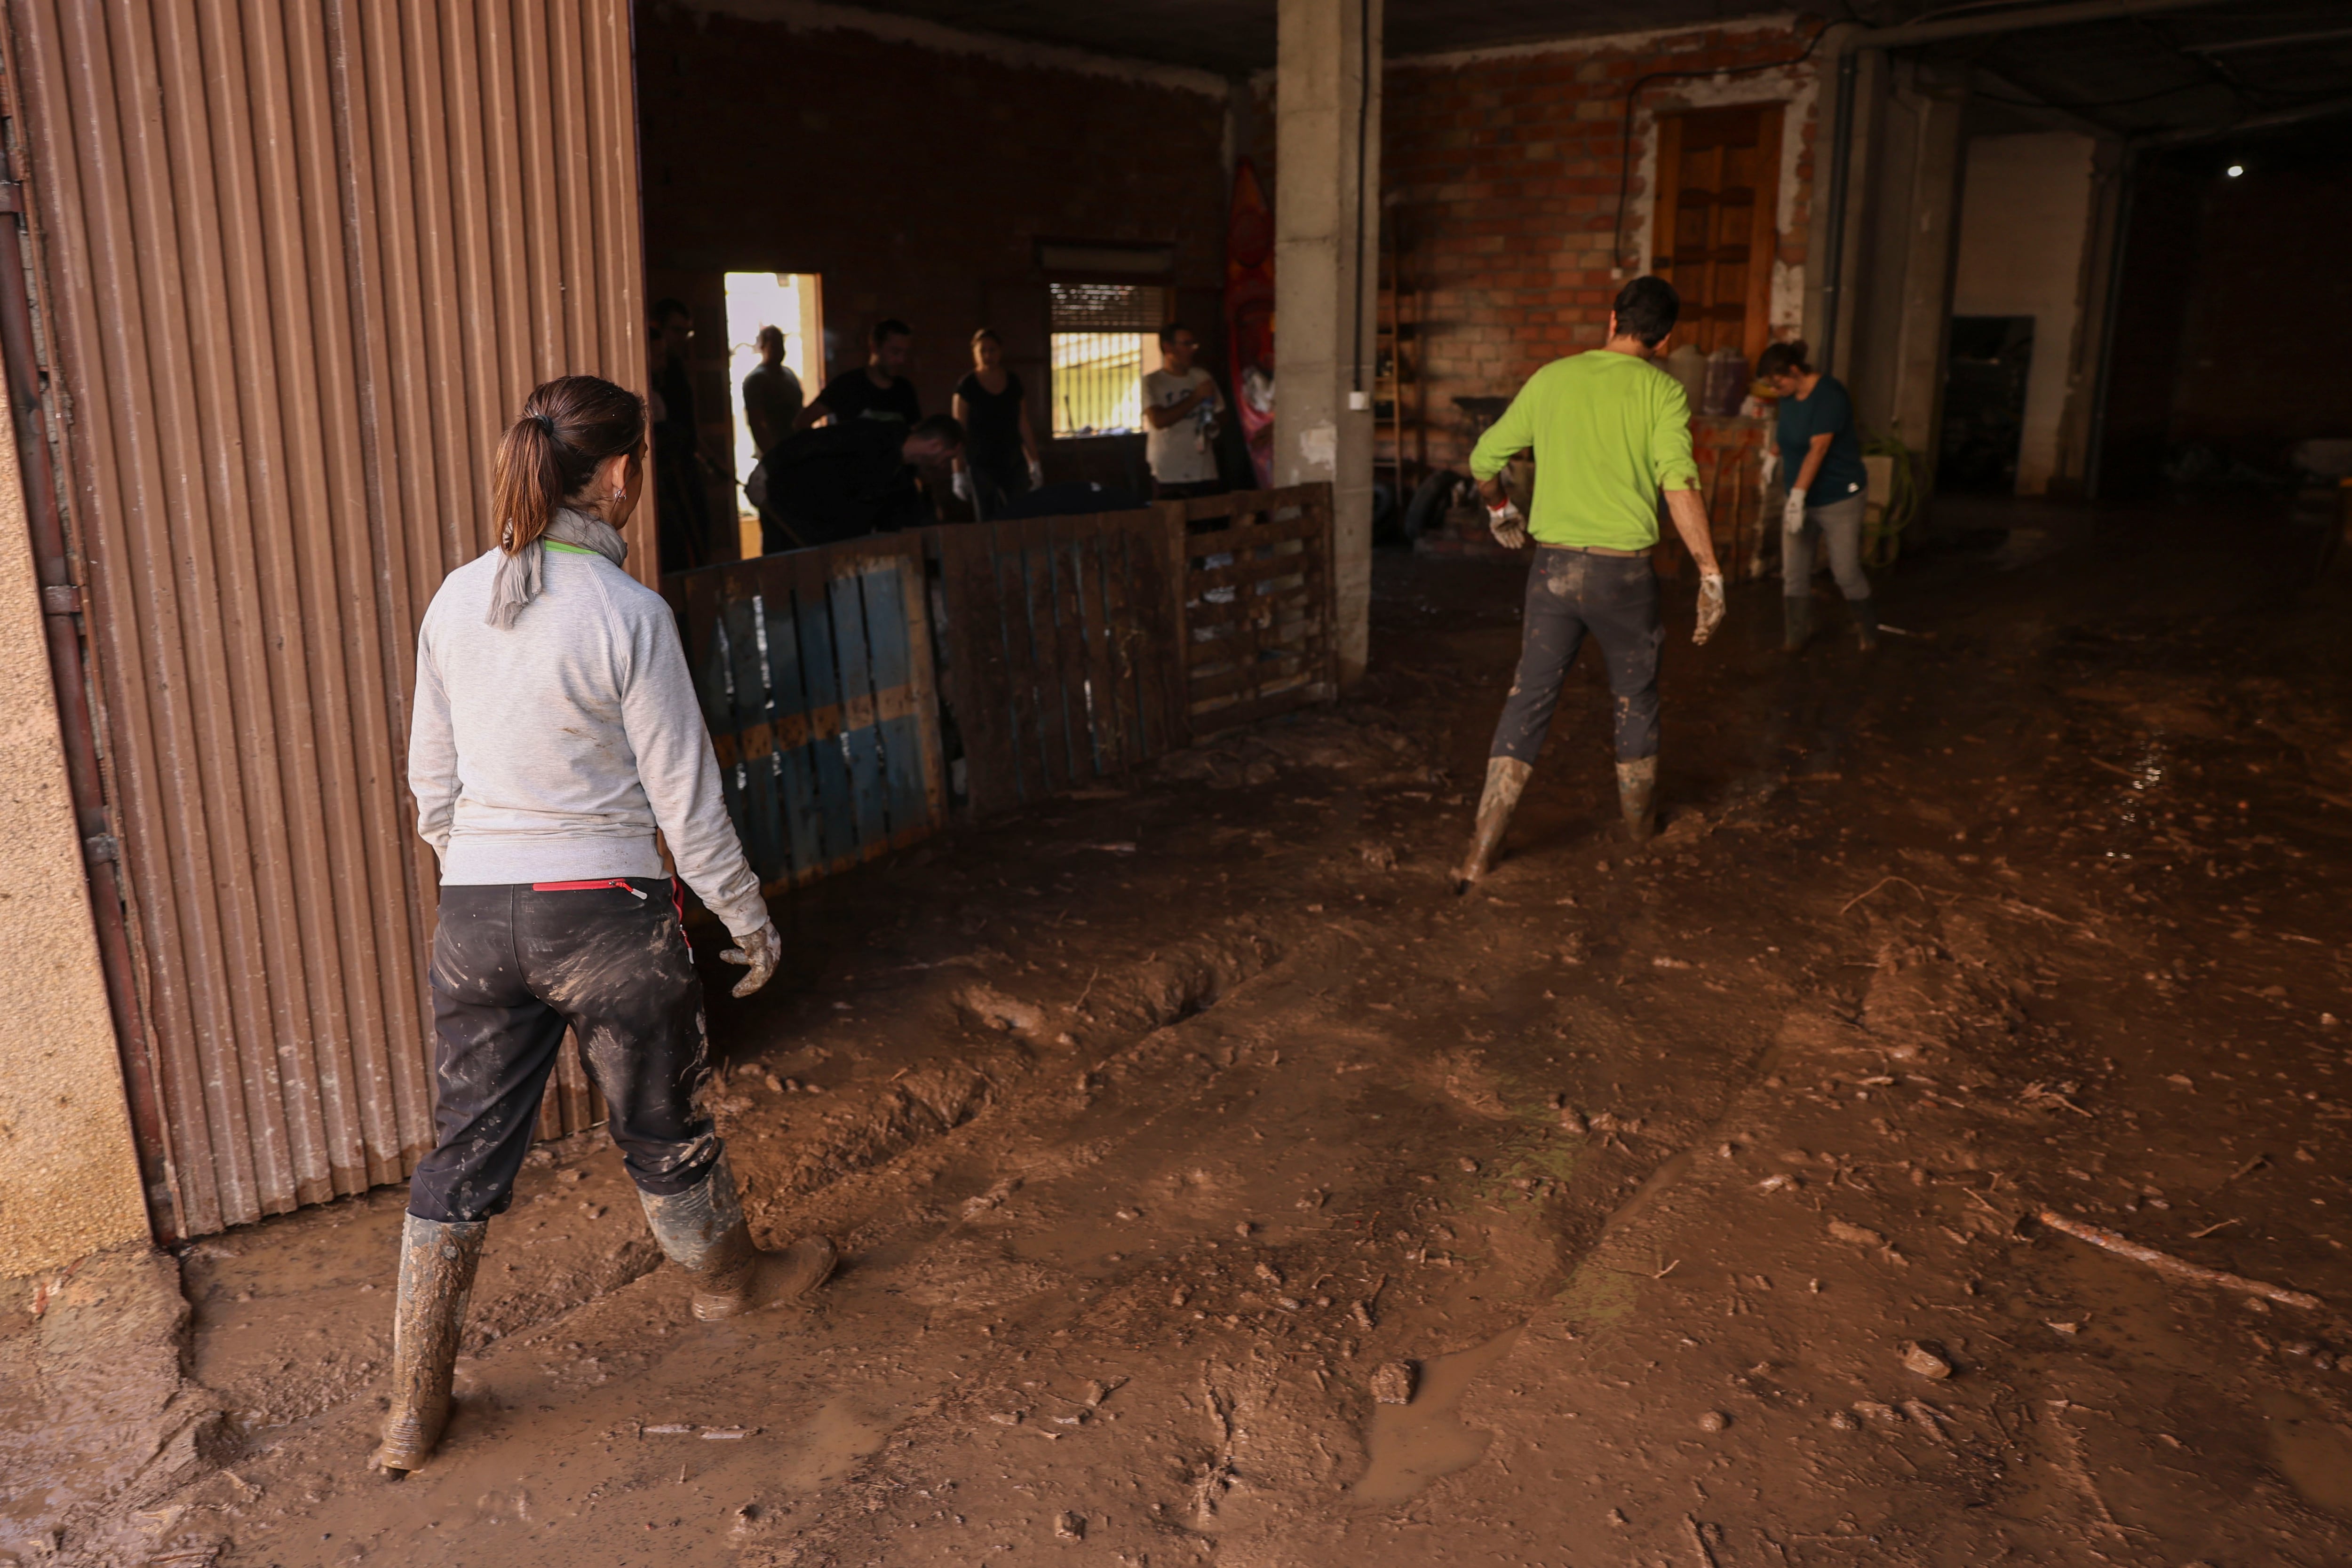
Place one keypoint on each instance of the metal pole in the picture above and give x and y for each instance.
(2094, 456)
(1840, 166)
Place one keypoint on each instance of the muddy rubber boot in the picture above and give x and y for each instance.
(1866, 623)
(1506, 777)
(1796, 622)
(702, 1230)
(437, 1276)
(1637, 793)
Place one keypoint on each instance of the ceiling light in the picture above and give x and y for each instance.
(2234, 169)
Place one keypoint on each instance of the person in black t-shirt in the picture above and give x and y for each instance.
(852, 478)
(682, 503)
(877, 389)
(1000, 455)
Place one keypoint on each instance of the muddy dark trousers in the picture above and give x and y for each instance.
(513, 966)
(1570, 593)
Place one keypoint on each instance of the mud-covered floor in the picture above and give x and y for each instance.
(1155, 1125)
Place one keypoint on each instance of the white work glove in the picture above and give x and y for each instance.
(757, 952)
(961, 484)
(1710, 606)
(1036, 475)
(1792, 514)
(1509, 528)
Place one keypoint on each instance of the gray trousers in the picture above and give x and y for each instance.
(1839, 524)
(1571, 592)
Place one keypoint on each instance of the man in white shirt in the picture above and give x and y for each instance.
(1181, 405)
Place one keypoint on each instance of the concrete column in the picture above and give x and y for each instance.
(68, 1172)
(1901, 278)
(1327, 247)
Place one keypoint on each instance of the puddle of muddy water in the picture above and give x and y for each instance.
(1413, 1445)
(2314, 1453)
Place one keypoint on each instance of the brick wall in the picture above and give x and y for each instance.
(1503, 169)
(916, 179)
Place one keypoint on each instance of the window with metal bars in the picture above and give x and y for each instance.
(1104, 336)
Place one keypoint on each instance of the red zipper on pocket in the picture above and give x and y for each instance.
(636, 892)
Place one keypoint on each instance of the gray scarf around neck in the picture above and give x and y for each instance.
(519, 577)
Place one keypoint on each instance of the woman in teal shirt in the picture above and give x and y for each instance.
(1822, 457)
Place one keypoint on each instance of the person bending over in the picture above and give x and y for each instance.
(1828, 489)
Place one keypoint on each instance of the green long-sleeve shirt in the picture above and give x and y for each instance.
(1610, 431)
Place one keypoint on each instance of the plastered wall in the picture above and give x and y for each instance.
(2025, 223)
(68, 1179)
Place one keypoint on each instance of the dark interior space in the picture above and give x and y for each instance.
(2232, 313)
(936, 187)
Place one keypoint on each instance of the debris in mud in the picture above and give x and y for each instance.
(1393, 1383)
(1069, 1526)
(2164, 1262)
(1918, 1358)
(996, 1011)
(1713, 1421)
(1858, 1235)
(1378, 857)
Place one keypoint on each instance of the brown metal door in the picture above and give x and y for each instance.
(299, 261)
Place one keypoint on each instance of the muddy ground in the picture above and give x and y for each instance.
(1164, 1127)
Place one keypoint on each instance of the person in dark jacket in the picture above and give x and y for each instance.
(854, 477)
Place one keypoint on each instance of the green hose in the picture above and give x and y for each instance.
(1883, 537)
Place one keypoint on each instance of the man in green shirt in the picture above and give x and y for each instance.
(1610, 432)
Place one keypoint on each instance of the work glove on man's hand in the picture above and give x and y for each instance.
(757, 952)
(1509, 528)
(1710, 606)
(961, 484)
(1792, 514)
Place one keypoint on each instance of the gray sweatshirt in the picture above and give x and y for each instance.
(550, 751)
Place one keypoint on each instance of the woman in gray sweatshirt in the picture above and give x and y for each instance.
(555, 733)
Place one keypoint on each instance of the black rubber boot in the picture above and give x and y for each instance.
(437, 1276)
(703, 1231)
(1866, 623)
(1637, 794)
(1796, 622)
(1507, 778)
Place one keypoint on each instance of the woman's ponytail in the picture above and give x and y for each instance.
(548, 455)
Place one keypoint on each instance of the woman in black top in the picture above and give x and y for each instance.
(1000, 450)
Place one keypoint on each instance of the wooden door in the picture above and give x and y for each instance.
(1714, 235)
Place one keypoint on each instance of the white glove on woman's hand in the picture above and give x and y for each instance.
(1036, 475)
(961, 484)
(1509, 528)
(757, 952)
(1792, 514)
(1710, 606)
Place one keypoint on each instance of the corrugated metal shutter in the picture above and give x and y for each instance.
(300, 261)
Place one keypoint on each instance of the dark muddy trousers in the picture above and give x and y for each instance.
(513, 966)
(1570, 593)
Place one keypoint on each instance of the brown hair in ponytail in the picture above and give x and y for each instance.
(546, 457)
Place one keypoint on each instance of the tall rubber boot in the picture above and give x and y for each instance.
(1507, 778)
(1866, 623)
(1637, 794)
(437, 1276)
(702, 1230)
(1796, 622)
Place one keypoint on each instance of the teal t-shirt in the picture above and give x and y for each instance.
(1828, 412)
